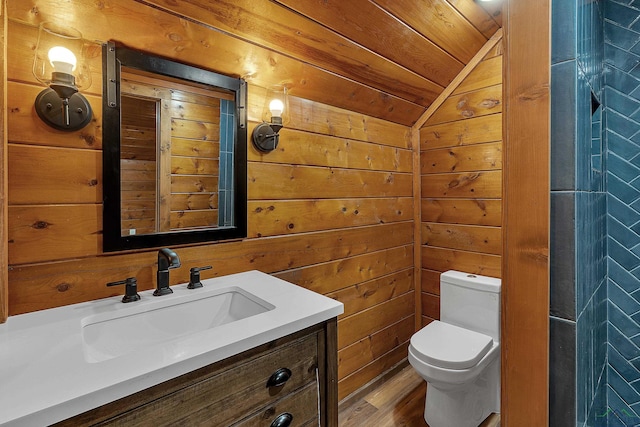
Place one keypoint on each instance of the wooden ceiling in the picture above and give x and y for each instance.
(384, 58)
(395, 56)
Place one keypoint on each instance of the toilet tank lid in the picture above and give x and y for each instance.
(475, 281)
(449, 346)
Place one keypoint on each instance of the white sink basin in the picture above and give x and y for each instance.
(61, 362)
(105, 336)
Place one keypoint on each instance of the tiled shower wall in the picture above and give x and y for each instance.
(578, 309)
(622, 113)
(596, 320)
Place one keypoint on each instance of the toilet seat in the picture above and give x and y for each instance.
(449, 346)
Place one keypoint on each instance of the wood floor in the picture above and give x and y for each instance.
(399, 401)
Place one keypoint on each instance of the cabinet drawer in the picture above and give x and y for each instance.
(302, 405)
(233, 393)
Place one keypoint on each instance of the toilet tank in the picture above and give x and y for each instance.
(471, 301)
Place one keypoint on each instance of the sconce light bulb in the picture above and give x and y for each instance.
(276, 107)
(62, 59)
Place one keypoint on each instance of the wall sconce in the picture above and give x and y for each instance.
(59, 63)
(275, 115)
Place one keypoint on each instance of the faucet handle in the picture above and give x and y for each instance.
(130, 289)
(194, 276)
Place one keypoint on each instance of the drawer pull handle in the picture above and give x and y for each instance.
(282, 420)
(279, 377)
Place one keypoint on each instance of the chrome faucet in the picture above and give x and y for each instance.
(167, 259)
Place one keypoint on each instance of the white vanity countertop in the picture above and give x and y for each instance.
(45, 377)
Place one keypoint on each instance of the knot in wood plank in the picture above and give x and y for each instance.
(40, 225)
(464, 180)
(489, 103)
(90, 140)
(63, 287)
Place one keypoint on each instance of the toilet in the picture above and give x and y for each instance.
(459, 355)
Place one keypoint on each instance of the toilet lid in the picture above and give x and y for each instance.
(449, 346)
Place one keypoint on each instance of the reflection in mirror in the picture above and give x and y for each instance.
(175, 168)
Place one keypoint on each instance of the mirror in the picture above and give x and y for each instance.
(174, 152)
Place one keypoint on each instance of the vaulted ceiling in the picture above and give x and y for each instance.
(384, 58)
(406, 50)
(415, 48)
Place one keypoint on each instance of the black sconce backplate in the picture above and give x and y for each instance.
(50, 108)
(265, 138)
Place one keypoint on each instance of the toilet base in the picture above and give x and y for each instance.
(467, 406)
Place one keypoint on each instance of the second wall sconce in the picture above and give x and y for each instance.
(59, 63)
(275, 115)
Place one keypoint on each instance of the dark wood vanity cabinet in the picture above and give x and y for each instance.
(234, 391)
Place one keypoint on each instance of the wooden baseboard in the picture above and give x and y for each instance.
(373, 384)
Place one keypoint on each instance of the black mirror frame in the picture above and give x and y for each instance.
(114, 57)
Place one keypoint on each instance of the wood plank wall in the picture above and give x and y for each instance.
(188, 119)
(461, 169)
(330, 210)
(195, 160)
(138, 165)
(4, 250)
(525, 290)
